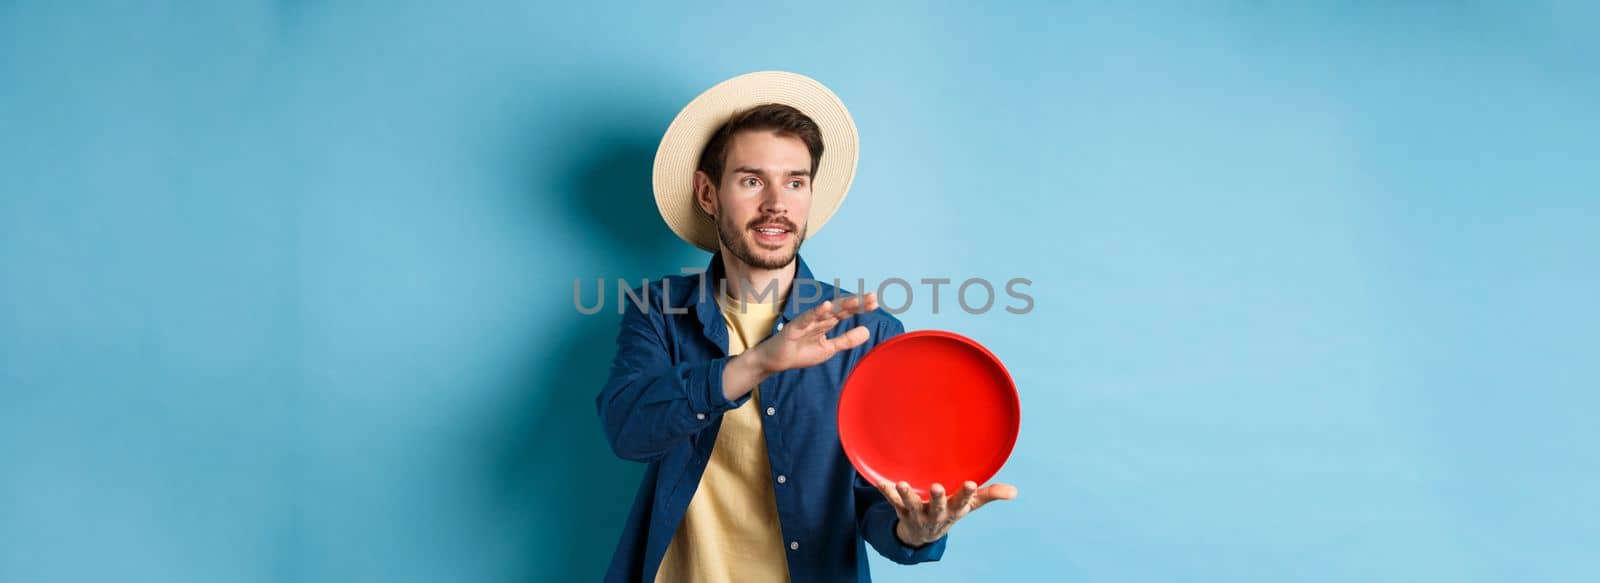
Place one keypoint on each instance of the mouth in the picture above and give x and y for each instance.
(771, 234)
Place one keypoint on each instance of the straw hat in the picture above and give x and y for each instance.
(679, 154)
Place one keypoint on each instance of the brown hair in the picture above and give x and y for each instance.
(777, 117)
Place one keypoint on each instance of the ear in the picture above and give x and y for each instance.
(705, 193)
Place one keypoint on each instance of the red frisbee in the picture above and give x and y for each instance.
(929, 406)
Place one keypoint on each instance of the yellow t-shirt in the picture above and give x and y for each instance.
(730, 533)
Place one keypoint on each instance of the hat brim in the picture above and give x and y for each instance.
(678, 156)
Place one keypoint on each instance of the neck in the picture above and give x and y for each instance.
(750, 284)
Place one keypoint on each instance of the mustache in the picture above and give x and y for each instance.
(774, 220)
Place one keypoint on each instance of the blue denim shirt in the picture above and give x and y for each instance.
(663, 405)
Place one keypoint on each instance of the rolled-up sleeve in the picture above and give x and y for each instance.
(648, 404)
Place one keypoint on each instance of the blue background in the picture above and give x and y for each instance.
(286, 287)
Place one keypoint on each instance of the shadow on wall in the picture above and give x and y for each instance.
(557, 481)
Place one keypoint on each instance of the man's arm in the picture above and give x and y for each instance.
(648, 405)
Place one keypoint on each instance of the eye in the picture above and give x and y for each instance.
(751, 181)
(796, 184)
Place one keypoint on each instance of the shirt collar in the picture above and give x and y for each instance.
(805, 293)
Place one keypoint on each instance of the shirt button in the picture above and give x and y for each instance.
(794, 545)
(700, 416)
(780, 325)
(772, 411)
(782, 478)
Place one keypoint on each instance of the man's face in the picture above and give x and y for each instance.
(764, 199)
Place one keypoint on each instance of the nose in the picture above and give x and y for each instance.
(772, 200)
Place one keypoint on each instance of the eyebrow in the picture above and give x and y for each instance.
(749, 170)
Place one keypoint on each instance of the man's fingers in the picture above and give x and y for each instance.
(937, 501)
(805, 320)
(857, 304)
(823, 311)
(993, 492)
(852, 305)
(827, 314)
(855, 337)
(819, 326)
(964, 498)
(912, 502)
(889, 492)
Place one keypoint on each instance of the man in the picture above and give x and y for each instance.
(727, 383)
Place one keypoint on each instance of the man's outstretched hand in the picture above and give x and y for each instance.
(924, 522)
(801, 343)
(805, 342)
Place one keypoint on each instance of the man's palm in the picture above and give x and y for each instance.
(805, 342)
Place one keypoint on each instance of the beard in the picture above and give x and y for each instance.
(738, 242)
